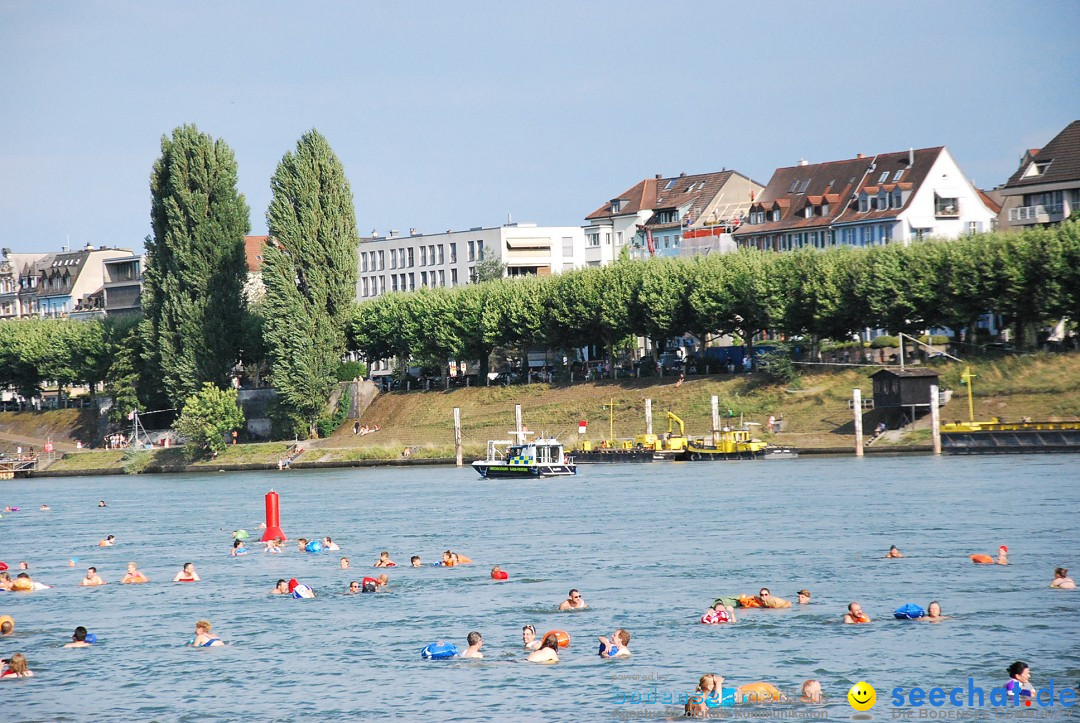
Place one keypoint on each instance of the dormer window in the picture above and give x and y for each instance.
(808, 212)
(884, 177)
(824, 209)
(898, 175)
(882, 200)
(864, 202)
(897, 198)
(1037, 168)
(617, 205)
(775, 215)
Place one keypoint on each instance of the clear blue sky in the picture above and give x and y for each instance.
(453, 114)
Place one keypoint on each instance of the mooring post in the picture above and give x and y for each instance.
(856, 405)
(935, 419)
(457, 435)
(648, 416)
(715, 421)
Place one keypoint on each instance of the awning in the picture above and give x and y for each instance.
(531, 244)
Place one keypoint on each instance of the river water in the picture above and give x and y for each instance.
(649, 546)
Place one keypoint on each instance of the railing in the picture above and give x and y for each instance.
(1040, 212)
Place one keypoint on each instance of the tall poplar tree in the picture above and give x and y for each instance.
(309, 269)
(196, 267)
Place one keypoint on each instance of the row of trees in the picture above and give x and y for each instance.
(197, 323)
(1028, 278)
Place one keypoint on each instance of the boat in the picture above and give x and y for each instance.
(542, 457)
(998, 437)
(728, 444)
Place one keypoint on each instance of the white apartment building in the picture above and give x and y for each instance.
(403, 263)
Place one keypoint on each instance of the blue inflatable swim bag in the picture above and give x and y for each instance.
(91, 638)
(911, 611)
(439, 651)
(314, 546)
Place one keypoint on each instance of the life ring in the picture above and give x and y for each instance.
(561, 635)
(982, 559)
(758, 692)
(439, 651)
(695, 456)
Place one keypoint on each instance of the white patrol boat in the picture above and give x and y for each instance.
(542, 457)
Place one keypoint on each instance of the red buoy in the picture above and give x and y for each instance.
(273, 518)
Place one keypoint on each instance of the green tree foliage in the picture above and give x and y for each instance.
(196, 268)
(309, 269)
(207, 416)
(36, 351)
(488, 268)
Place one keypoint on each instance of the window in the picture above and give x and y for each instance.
(803, 186)
(453, 253)
(412, 259)
(898, 175)
(618, 238)
(423, 278)
(794, 185)
(472, 274)
(669, 184)
(776, 215)
(472, 251)
(453, 277)
(607, 238)
(884, 177)
(973, 227)
(480, 249)
(593, 238)
(393, 277)
(675, 240)
(946, 206)
(897, 198)
(412, 277)
(825, 209)
(382, 284)
(442, 278)
(423, 255)
(363, 261)
(864, 202)
(808, 212)
(882, 200)
(366, 289)
(393, 258)
(431, 254)
(442, 255)
(382, 261)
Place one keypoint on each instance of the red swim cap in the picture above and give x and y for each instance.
(1003, 547)
(292, 584)
(3, 566)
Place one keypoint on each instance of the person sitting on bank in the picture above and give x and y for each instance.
(617, 646)
(1062, 579)
(855, 614)
(894, 551)
(573, 602)
(768, 600)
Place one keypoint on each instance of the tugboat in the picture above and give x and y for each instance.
(731, 444)
(539, 458)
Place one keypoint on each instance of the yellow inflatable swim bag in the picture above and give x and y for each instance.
(758, 692)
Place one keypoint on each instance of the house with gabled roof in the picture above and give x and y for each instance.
(866, 201)
(1045, 189)
(672, 216)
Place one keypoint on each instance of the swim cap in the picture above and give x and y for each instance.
(3, 566)
(292, 584)
(1003, 547)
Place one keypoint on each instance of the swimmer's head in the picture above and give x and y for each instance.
(354, 586)
(811, 691)
(282, 585)
(475, 638)
(1061, 572)
(764, 593)
(384, 555)
(706, 682)
(804, 596)
(202, 626)
(383, 579)
(528, 634)
(933, 609)
(189, 567)
(622, 637)
(1019, 670)
(415, 560)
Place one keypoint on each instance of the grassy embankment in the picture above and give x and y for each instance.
(815, 414)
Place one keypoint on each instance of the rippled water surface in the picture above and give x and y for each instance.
(648, 545)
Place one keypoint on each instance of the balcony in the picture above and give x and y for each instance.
(1037, 214)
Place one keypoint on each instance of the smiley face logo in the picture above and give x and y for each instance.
(862, 696)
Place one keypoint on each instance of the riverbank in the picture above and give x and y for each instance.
(816, 418)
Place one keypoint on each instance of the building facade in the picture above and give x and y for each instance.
(404, 263)
(866, 201)
(1045, 189)
(676, 216)
(123, 283)
(18, 280)
(71, 282)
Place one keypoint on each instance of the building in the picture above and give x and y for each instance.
(18, 279)
(670, 216)
(123, 283)
(866, 201)
(72, 281)
(908, 387)
(254, 290)
(1046, 187)
(404, 263)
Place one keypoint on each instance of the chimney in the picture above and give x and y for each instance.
(910, 157)
(374, 233)
(659, 176)
(803, 162)
(412, 232)
(89, 246)
(393, 233)
(682, 174)
(859, 155)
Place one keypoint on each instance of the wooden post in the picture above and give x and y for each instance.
(457, 435)
(648, 416)
(715, 421)
(856, 403)
(517, 424)
(935, 419)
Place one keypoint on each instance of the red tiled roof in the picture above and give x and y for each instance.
(253, 246)
(989, 201)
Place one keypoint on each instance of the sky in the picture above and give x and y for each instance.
(449, 115)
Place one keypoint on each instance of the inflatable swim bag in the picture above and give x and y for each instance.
(758, 692)
(748, 601)
(314, 546)
(500, 575)
(91, 638)
(439, 651)
(561, 635)
(241, 535)
(911, 611)
(726, 699)
(23, 585)
(982, 559)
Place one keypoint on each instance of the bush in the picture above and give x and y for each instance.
(778, 367)
(209, 414)
(829, 345)
(347, 371)
(328, 425)
(286, 423)
(136, 462)
(882, 342)
(936, 339)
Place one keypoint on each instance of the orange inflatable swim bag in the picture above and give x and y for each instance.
(462, 560)
(758, 692)
(982, 559)
(499, 575)
(748, 601)
(561, 635)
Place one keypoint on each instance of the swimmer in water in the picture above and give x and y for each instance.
(281, 588)
(6, 583)
(705, 697)
(16, 668)
(768, 600)
(44, 508)
(415, 561)
(548, 652)
(92, 578)
(203, 638)
(101, 503)
(811, 692)
(719, 614)
(187, 574)
(803, 597)
(302, 543)
(528, 638)
(855, 614)
(354, 587)
(273, 546)
(476, 641)
(384, 560)
(1019, 680)
(7, 625)
(238, 548)
(448, 559)
(108, 541)
(374, 584)
(330, 545)
(894, 551)
(933, 612)
(617, 646)
(78, 640)
(24, 565)
(1003, 555)
(574, 602)
(1062, 579)
(134, 575)
(344, 563)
